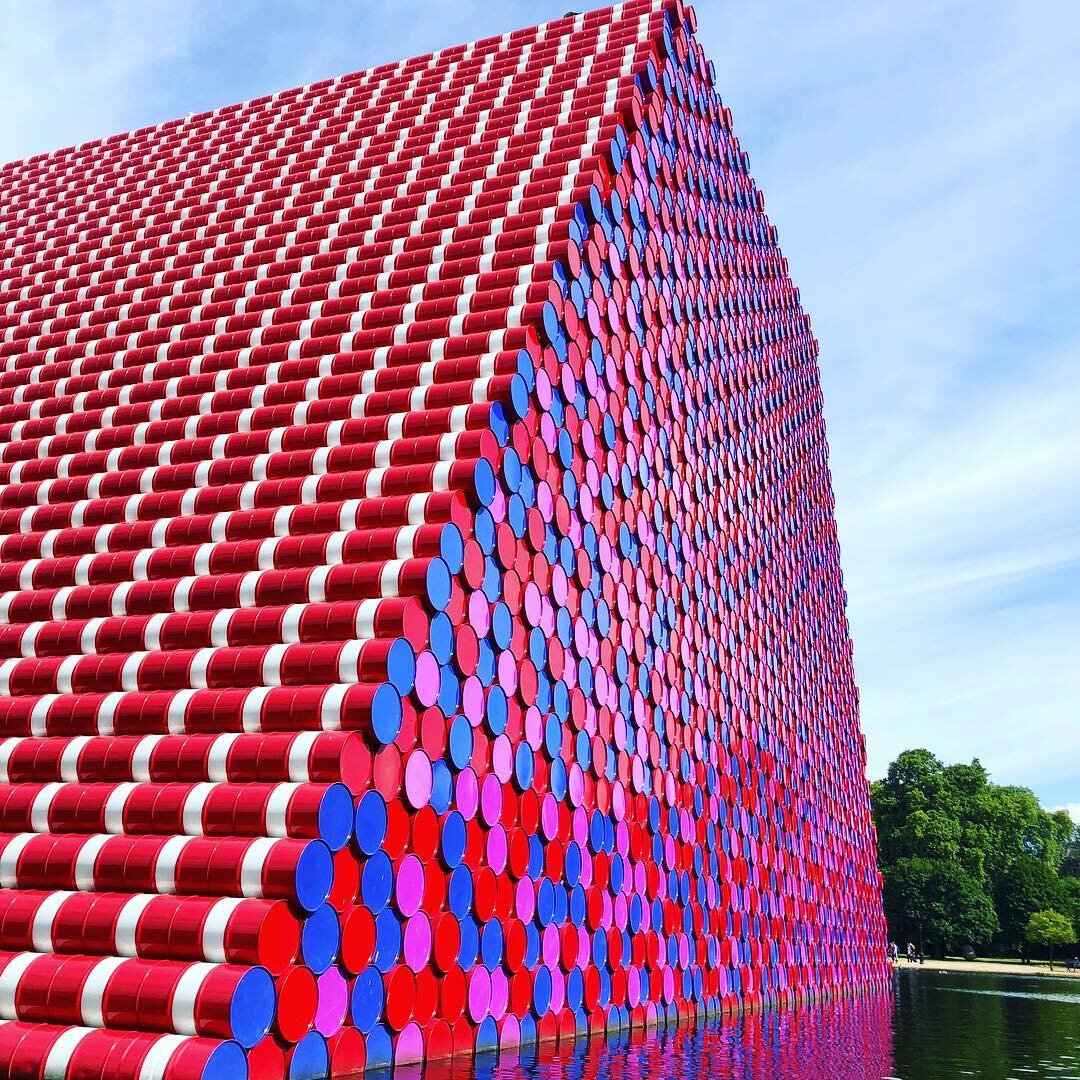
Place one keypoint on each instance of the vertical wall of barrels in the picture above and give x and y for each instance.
(421, 622)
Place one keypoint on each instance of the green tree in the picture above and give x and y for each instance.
(1070, 859)
(1050, 928)
(1017, 827)
(1065, 837)
(937, 904)
(1069, 904)
(1015, 853)
(914, 811)
(1023, 888)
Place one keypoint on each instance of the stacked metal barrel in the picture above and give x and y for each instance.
(421, 623)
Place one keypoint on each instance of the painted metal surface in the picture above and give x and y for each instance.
(421, 621)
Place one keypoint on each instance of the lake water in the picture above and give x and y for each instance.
(934, 1025)
(950, 1025)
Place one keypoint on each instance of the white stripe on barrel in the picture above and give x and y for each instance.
(185, 995)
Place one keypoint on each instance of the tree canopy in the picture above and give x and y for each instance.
(1050, 928)
(938, 903)
(1024, 887)
(968, 861)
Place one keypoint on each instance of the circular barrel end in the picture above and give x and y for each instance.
(279, 938)
(487, 1037)
(500, 423)
(380, 1049)
(251, 1011)
(551, 322)
(401, 666)
(484, 482)
(386, 714)
(461, 742)
(441, 638)
(367, 1000)
(310, 1058)
(226, 1062)
(333, 1002)
(519, 396)
(298, 998)
(452, 547)
(418, 779)
(320, 938)
(336, 816)
(437, 580)
(414, 623)
(348, 1054)
(314, 875)
(354, 763)
(370, 822)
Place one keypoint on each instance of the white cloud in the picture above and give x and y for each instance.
(920, 167)
(920, 164)
(69, 73)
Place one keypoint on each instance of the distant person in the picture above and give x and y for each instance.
(1073, 965)
(894, 952)
(910, 953)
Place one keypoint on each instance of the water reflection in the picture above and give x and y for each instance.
(1000, 1027)
(933, 1025)
(837, 1039)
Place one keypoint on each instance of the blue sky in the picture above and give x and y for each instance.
(920, 162)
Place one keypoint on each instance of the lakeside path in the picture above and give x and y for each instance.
(993, 967)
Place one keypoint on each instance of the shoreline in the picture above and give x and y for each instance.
(991, 967)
